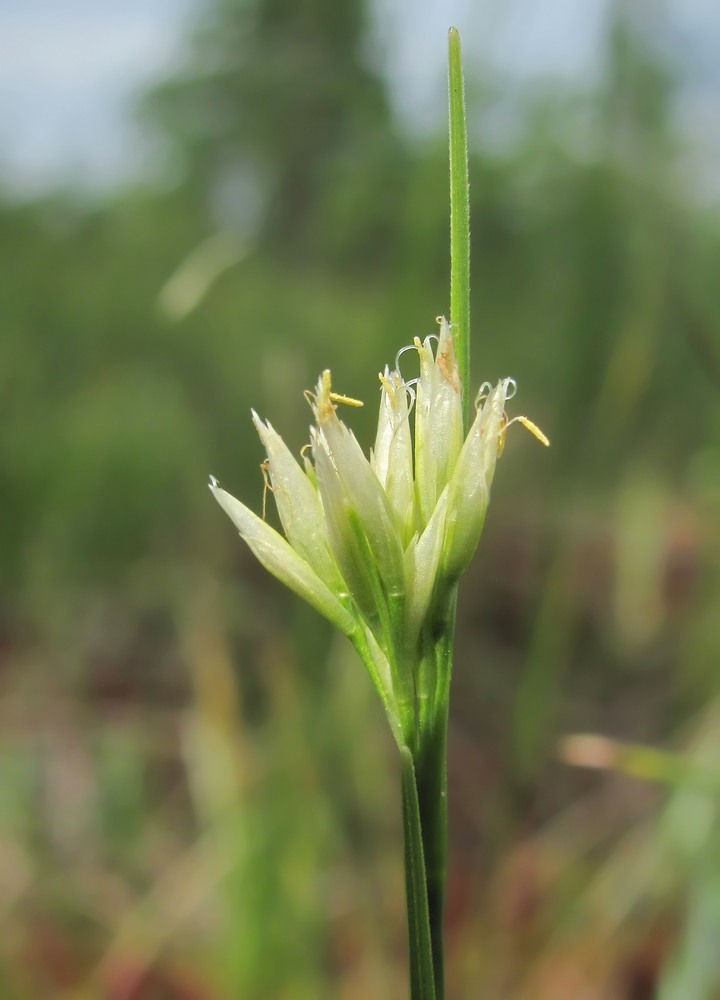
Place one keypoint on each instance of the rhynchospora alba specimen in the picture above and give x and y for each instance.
(377, 544)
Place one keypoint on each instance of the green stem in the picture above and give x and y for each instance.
(459, 216)
(431, 766)
(431, 771)
(422, 979)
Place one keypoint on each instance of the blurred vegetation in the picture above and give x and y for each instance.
(198, 798)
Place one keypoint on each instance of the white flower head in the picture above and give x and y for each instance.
(373, 543)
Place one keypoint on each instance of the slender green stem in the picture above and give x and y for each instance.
(422, 978)
(431, 770)
(459, 216)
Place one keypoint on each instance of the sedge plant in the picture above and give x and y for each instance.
(378, 544)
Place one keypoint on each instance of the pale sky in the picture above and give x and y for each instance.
(71, 69)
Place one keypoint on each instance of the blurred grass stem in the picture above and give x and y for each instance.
(638, 761)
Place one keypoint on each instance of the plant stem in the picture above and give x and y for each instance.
(431, 775)
(459, 216)
(433, 781)
(429, 749)
(422, 979)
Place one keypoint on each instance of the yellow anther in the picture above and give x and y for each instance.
(392, 383)
(336, 397)
(528, 425)
(533, 428)
(321, 401)
(324, 399)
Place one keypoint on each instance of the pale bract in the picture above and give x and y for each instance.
(375, 544)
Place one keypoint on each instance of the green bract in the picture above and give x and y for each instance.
(375, 544)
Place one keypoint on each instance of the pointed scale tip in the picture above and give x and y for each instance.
(213, 484)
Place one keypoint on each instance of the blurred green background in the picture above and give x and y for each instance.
(198, 795)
